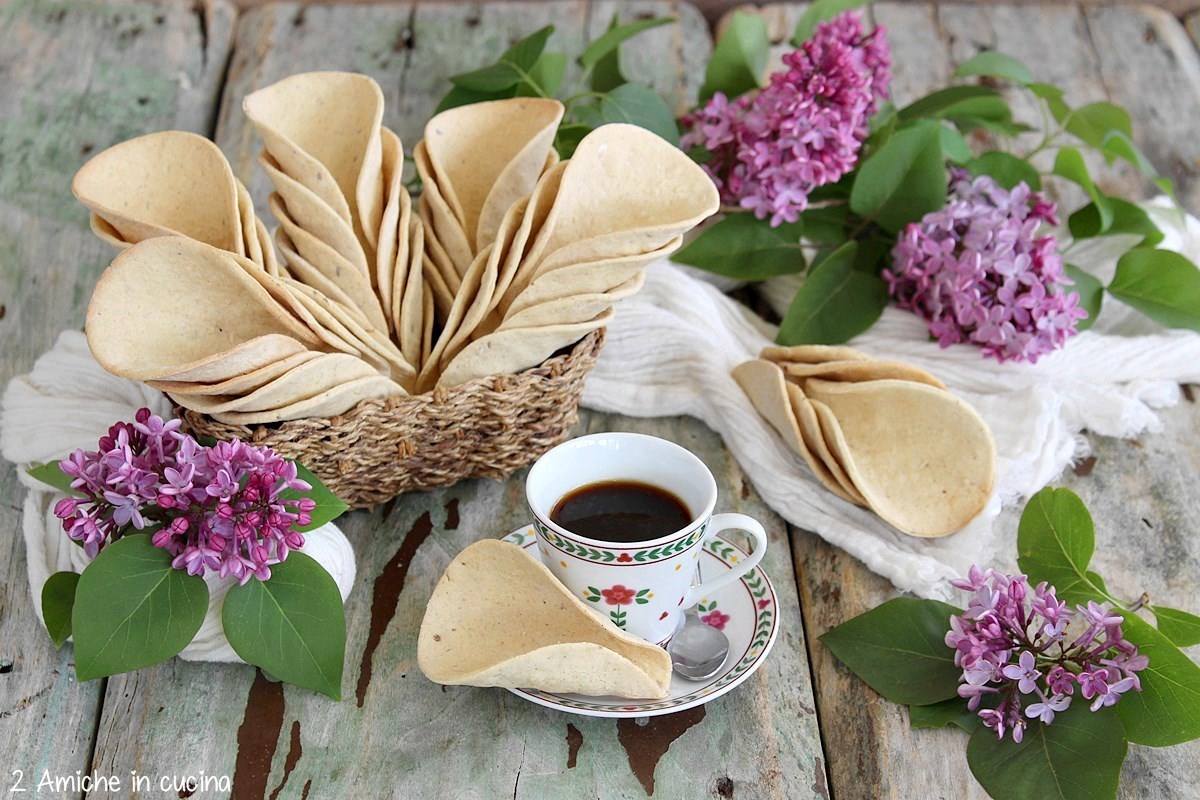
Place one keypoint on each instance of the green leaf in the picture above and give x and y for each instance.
(51, 475)
(825, 224)
(607, 72)
(525, 53)
(981, 112)
(1069, 164)
(936, 103)
(1163, 285)
(948, 712)
(1054, 99)
(818, 12)
(292, 625)
(739, 59)
(1167, 710)
(1182, 628)
(513, 66)
(1118, 144)
(995, 65)
(836, 302)
(458, 96)
(329, 505)
(642, 106)
(610, 41)
(548, 74)
(954, 145)
(133, 609)
(1055, 542)
(1126, 218)
(1091, 295)
(903, 180)
(58, 598)
(1006, 169)
(492, 78)
(741, 246)
(1095, 121)
(899, 650)
(569, 135)
(1078, 757)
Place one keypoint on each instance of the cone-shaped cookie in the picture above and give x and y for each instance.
(499, 618)
(322, 129)
(511, 351)
(924, 459)
(227, 318)
(764, 384)
(163, 184)
(486, 156)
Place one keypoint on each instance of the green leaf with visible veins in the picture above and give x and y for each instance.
(1180, 627)
(1078, 757)
(899, 650)
(903, 180)
(837, 301)
(1055, 542)
(642, 106)
(292, 625)
(1167, 710)
(743, 247)
(1161, 284)
(133, 609)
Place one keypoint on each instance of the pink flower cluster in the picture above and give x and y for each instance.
(1012, 645)
(977, 271)
(214, 508)
(769, 150)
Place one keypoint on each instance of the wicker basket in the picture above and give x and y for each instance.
(487, 428)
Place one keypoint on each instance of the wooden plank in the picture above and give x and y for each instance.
(873, 754)
(74, 79)
(397, 734)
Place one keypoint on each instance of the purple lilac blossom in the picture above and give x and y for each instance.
(977, 271)
(216, 508)
(1012, 646)
(769, 150)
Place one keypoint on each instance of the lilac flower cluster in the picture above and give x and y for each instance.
(977, 271)
(771, 149)
(215, 508)
(1012, 645)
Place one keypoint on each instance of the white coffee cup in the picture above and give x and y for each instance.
(642, 587)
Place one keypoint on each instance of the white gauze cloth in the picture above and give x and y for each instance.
(68, 402)
(671, 349)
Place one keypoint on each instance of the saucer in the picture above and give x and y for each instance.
(745, 611)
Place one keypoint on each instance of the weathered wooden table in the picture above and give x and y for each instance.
(76, 77)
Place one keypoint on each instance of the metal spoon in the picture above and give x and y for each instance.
(698, 650)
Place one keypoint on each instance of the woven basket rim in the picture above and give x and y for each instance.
(592, 342)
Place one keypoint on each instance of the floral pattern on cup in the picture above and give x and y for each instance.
(709, 615)
(618, 595)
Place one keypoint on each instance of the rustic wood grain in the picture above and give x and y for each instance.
(102, 73)
(1144, 495)
(395, 733)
